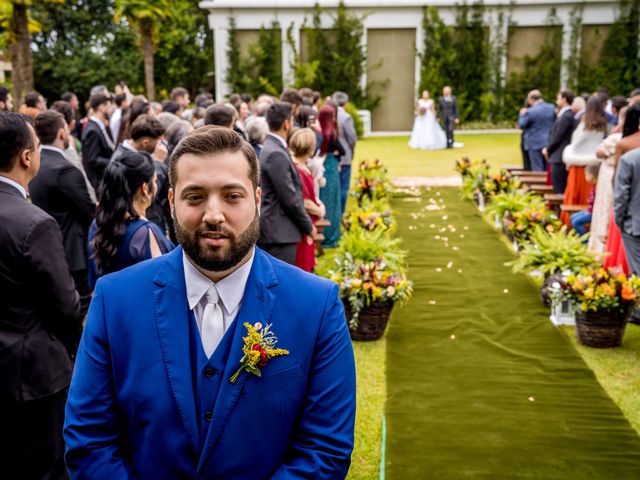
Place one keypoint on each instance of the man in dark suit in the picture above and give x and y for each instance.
(97, 144)
(536, 121)
(40, 320)
(559, 138)
(60, 190)
(283, 219)
(448, 111)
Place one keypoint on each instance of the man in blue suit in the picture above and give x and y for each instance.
(152, 395)
(537, 121)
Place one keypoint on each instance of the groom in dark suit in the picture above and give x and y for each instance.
(448, 110)
(559, 138)
(283, 219)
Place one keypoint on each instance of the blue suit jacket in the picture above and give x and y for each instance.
(131, 410)
(537, 122)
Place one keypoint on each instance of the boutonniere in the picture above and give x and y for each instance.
(259, 347)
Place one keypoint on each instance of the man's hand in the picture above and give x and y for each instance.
(545, 153)
(456, 121)
(314, 232)
(523, 110)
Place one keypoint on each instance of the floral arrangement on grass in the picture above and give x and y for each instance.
(371, 187)
(514, 201)
(371, 217)
(601, 290)
(502, 182)
(522, 224)
(466, 167)
(554, 252)
(376, 165)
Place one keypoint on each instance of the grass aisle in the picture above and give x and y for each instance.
(480, 384)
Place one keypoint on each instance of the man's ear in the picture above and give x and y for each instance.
(25, 158)
(258, 198)
(172, 198)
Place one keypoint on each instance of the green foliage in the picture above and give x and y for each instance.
(368, 246)
(554, 252)
(351, 109)
(438, 57)
(515, 201)
(573, 62)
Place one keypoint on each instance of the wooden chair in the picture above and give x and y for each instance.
(541, 188)
(554, 201)
(319, 238)
(573, 208)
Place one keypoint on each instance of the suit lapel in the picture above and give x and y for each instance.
(257, 306)
(172, 316)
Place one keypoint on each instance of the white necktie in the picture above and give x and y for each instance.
(212, 322)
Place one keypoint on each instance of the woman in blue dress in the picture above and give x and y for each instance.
(121, 235)
(330, 193)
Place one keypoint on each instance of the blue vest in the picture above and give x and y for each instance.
(207, 375)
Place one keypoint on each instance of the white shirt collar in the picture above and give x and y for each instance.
(14, 184)
(127, 145)
(103, 128)
(98, 121)
(564, 109)
(280, 139)
(230, 289)
(54, 149)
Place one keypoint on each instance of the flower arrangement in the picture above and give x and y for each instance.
(502, 182)
(364, 282)
(371, 187)
(466, 167)
(601, 290)
(370, 218)
(259, 347)
(521, 224)
(513, 201)
(376, 164)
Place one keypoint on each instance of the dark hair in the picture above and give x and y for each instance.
(567, 94)
(292, 96)
(635, 92)
(603, 93)
(235, 99)
(533, 96)
(204, 99)
(31, 99)
(219, 115)
(176, 132)
(146, 126)
(178, 92)
(305, 113)
(15, 138)
(618, 102)
(326, 116)
(170, 106)
(4, 94)
(594, 117)
(212, 139)
(631, 120)
(64, 108)
(246, 98)
(99, 99)
(277, 113)
(122, 179)
(47, 125)
(139, 106)
(119, 99)
(67, 96)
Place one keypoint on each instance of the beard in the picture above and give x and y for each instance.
(217, 259)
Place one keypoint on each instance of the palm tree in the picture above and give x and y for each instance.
(145, 16)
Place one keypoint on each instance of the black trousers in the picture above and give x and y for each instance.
(81, 279)
(559, 177)
(31, 443)
(526, 163)
(448, 126)
(282, 251)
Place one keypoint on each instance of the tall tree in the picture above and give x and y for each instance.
(145, 16)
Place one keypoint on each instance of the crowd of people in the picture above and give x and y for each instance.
(98, 200)
(590, 147)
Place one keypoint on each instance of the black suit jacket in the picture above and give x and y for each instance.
(39, 306)
(448, 111)
(60, 190)
(96, 153)
(283, 218)
(560, 136)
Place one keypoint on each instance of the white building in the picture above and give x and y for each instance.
(394, 33)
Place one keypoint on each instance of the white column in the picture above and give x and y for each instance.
(288, 53)
(221, 44)
(419, 51)
(363, 44)
(566, 52)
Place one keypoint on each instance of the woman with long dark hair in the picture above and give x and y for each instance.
(121, 235)
(330, 193)
(139, 106)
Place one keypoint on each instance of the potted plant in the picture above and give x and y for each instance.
(371, 216)
(373, 183)
(370, 271)
(521, 224)
(513, 201)
(603, 300)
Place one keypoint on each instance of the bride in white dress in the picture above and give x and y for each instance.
(427, 133)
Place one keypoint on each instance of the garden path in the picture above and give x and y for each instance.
(480, 384)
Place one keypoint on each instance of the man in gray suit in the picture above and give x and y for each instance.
(537, 121)
(347, 137)
(283, 218)
(626, 206)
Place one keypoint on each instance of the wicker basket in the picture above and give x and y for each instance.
(372, 321)
(600, 329)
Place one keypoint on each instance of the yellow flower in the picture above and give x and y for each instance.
(391, 291)
(588, 293)
(608, 290)
(356, 283)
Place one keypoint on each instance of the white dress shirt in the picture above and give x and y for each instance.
(114, 123)
(54, 149)
(282, 141)
(16, 185)
(230, 290)
(103, 129)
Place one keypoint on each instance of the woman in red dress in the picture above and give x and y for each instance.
(303, 145)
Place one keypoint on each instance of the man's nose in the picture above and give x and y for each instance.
(213, 213)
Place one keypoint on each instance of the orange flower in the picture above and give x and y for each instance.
(628, 293)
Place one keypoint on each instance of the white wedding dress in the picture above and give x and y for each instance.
(427, 133)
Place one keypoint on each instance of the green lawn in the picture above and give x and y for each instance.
(402, 161)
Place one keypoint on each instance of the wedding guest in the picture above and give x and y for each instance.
(583, 217)
(167, 119)
(283, 218)
(603, 204)
(138, 106)
(220, 115)
(626, 206)
(180, 96)
(34, 103)
(204, 100)
(330, 193)
(257, 129)
(40, 311)
(97, 144)
(537, 121)
(115, 122)
(526, 163)
(559, 138)
(6, 102)
(293, 97)
(303, 145)
(347, 137)
(578, 107)
(60, 189)
(155, 108)
(169, 106)
(121, 235)
(176, 132)
(197, 114)
(581, 152)
(617, 104)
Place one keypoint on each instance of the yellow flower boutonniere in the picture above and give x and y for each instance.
(259, 347)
